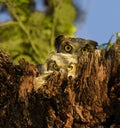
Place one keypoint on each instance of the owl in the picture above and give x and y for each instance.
(79, 46)
(59, 62)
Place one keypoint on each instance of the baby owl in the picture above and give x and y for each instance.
(65, 44)
(61, 62)
(57, 62)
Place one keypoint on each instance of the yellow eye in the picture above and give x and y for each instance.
(55, 66)
(68, 48)
(70, 67)
(85, 49)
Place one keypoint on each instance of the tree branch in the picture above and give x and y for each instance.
(90, 100)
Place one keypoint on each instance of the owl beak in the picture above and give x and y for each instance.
(62, 70)
(68, 69)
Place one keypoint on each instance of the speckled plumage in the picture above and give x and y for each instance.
(65, 44)
(61, 62)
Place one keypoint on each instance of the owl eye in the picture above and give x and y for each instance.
(70, 67)
(55, 66)
(68, 48)
(85, 49)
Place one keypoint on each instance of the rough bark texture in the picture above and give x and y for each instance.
(92, 100)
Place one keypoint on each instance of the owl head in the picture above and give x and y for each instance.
(62, 63)
(65, 44)
(59, 62)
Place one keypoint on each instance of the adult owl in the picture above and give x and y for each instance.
(79, 46)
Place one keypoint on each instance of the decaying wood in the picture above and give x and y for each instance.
(92, 100)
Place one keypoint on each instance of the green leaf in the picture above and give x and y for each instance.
(30, 34)
(109, 45)
(118, 34)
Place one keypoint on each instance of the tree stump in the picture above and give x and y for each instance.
(92, 100)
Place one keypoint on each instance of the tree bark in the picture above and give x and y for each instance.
(92, 100)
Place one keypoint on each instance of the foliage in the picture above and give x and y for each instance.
(108, 45)
(30, 34)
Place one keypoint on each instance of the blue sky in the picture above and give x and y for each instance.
(102, 20)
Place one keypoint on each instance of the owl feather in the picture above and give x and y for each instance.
(65, 44)
(59, 62)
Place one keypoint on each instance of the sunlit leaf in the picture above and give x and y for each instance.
(31, 33)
